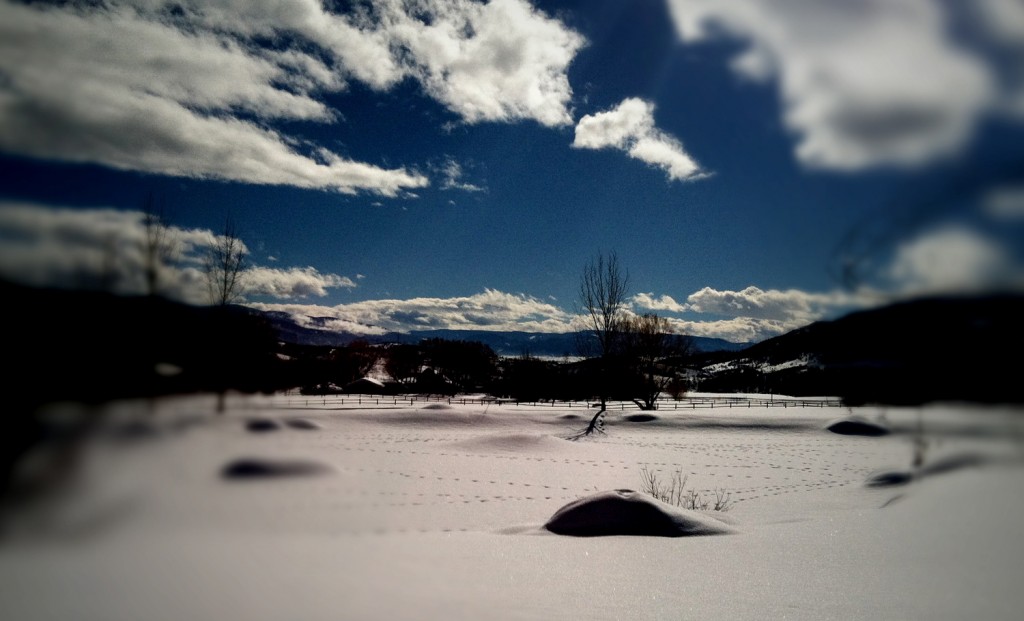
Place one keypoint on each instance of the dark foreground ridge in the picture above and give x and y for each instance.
(935, 349)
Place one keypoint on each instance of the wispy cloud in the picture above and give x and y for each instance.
(629, 127)
(193, 89)
(120, 87)
(870, 83)
(104, 249)
(1004, 203)
(452, 178)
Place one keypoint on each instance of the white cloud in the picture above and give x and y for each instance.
(1003, 23)
(737, 329)
(104, 249)
(791, 307)
(861, 83)
(296, 282)
(113, 87)
(647, 301)
(1004, 203)
(499, 61)
(191, 89)
(751, 314)
(451, 172)
(489, 310)
(952, 259)
(630, 127)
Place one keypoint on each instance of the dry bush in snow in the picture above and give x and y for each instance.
(675, 493)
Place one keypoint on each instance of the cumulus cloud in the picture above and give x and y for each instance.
(751, 314)
(489, 310)
(791, 307)
(647, 301)
(296, 282)
(952, 259)
(499, 61)
(193, 89)
(736, 329)
(630, 127)
(862, 83)
(105, 249)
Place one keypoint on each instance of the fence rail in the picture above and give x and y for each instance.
(686, 403)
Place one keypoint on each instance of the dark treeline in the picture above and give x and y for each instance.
(437, 366)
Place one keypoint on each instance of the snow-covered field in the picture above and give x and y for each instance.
(435, 511)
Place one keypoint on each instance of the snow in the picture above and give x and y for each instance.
(400, 511)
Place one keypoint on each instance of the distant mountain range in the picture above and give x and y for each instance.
(504, 343)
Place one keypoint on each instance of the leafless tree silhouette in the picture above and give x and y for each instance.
(157, 246)
(224, 267)
(653, 349)
(604, 286)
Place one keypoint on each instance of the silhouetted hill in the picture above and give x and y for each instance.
(950, 348)
(91, 346)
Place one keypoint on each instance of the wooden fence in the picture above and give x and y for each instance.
(293, 399)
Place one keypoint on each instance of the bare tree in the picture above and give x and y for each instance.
(604, 286)
(224, 265)
(157, 245)
(654, 350)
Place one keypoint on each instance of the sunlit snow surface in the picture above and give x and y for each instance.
(435, 511)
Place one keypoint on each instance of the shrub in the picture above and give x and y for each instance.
(674, 492)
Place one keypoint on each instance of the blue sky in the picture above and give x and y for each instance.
(414, 164)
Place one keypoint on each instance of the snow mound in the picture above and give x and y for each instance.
(437, 406)
(258, 468)
(515, 443)
(625, 512)
(302, 423)
(261, 425)
(641, 418)
(857, 426)
(890, 478)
